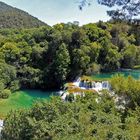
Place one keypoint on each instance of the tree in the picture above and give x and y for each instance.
(80, 62)
(30, 77)
(8, 75)
(36, 57)
(10, 52)
(82, 119)
(78, 37)
(112, 60)
(128, 8)
(5, 94)
(129, 56)
(127, 87)
(8, 80)
(57, 71)
(109, 56)
(61, 64)
(94, 51)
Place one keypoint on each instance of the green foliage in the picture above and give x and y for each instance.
(129, 55)
(126, 9)
(8, 80)
(127, 87)
(11, 17)
(136, 67)
(70, 97)
(59, 68)
(83, 119)
(48, 57)
(5, 94)
(93, 69)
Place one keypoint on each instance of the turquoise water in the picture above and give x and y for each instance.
(23, 100)
(134, 73)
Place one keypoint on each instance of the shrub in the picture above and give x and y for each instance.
(5, 93)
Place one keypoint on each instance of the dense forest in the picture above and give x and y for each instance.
(11, 17)
(47, 57)
(34, 55)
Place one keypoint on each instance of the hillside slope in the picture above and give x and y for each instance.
(11, 17)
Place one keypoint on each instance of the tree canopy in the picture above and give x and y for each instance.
(126, 9)
(83, 119)
(47, 57)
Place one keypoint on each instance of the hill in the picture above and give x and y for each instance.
(11, 17)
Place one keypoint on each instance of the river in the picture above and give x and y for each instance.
(22, 100)
(25, 98)
(102, 76)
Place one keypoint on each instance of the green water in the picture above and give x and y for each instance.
(22, 100)
(25, 99)
(134, 73)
